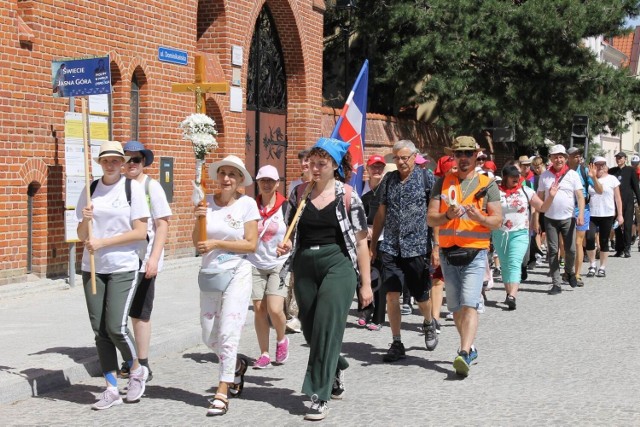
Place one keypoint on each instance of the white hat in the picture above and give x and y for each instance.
(558, 149)
(234, 161)
(268, 171)
(599, 159)
(111, 149)
(635, 159)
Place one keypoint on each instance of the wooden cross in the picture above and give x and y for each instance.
(199, 87)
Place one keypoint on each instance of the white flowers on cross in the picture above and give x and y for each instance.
(200, 129)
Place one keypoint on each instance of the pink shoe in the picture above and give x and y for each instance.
(263, 362)
(282, 351)
(373, 326)
(362, 322)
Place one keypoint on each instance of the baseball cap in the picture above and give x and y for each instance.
(268, 171)
(622, 154)
(489, 164)
(635, 159)
(482, 155)
(420, 160)
(558, 149)
(600, 159)
(573, 150)
(376, 158)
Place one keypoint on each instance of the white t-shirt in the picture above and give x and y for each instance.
(113, 216)
(603, 205)
(227, 223)
(265, 256)
(515, 209)
(159, 209)
(564, 203)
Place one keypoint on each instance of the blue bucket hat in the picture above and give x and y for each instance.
(336, 149)
(137, 146)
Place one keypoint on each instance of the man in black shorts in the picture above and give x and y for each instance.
(403, 198)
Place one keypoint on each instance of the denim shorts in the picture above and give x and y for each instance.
(587, 219)
(463, 285)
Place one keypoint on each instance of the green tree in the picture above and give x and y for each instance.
(523, 62)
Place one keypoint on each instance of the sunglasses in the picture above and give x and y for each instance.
(136, 160)
(465, 153)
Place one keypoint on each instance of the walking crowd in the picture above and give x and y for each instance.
(413, 237)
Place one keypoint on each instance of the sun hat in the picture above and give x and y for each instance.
(376, 158)
(524, 160)
(111, 149)
(558, 149)
(234, 161)
(420, 160)
(138, 146)
(336, 149)
(463, 143)
(269, 172)
(599, 159)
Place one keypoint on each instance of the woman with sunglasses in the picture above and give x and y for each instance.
(511, 240)
(604, 208)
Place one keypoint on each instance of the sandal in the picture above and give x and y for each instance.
(591, 272)
(601, 273)
(219, 405)
(235, 389)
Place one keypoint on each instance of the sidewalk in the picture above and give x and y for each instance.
(47, 342)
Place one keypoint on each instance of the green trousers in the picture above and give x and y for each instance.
(109, 314)
(325, 283)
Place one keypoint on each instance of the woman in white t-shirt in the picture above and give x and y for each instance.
(118, 216)
(511, 240)
(603, 213)
(231, 233)
(269, 289)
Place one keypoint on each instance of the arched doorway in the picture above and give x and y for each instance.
(266, 139)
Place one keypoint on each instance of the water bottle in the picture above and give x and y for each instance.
(615, 224)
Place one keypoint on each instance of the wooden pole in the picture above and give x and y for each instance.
(87, 183)
(202, 221)
(301, 205)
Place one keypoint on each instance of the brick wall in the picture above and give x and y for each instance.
(32, 121)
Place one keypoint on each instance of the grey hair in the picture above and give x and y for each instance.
(404, 143)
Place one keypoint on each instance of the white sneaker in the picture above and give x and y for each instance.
(136, 386)
(108, 398)
(481, 308)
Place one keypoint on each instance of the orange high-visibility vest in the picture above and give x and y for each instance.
(463, 232)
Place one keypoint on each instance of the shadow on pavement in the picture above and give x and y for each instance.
(82, 394)
(209, 357)
(282, 398)
(77, 354)
(177, 395)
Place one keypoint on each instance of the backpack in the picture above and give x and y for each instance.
(585, 178)
(127, 188)
(346, 198)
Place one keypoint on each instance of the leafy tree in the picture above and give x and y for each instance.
(522, 62)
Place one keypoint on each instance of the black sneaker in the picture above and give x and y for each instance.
(555, 290)
(618, 254)
(124, 370)
(430, 334)
(337, 390)
(524, 273)
(395, 352)
(573, 280)
(318, 410)
(627, 253)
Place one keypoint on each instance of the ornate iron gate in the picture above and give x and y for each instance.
(266, 139)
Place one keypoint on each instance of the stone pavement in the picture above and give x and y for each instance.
(556, 360)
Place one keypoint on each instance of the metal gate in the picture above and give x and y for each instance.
(266, 139)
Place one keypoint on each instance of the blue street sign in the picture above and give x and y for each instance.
(78, 77)
(173, 56)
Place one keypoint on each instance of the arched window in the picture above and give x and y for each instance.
(135, 109)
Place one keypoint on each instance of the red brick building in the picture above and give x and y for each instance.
(280, 70)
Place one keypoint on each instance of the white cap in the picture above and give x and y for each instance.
(635, 159)
(268, 171)
(599, 159)
(558, 149)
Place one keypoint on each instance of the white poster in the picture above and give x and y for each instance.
(72, 190)
(70, 226)
(95, 167)
(74, 158)
(236, 99)
(99, 105)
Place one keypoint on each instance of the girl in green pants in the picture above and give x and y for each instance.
(329, 250)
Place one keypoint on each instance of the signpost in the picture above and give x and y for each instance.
(82, 77)
(200, 88)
